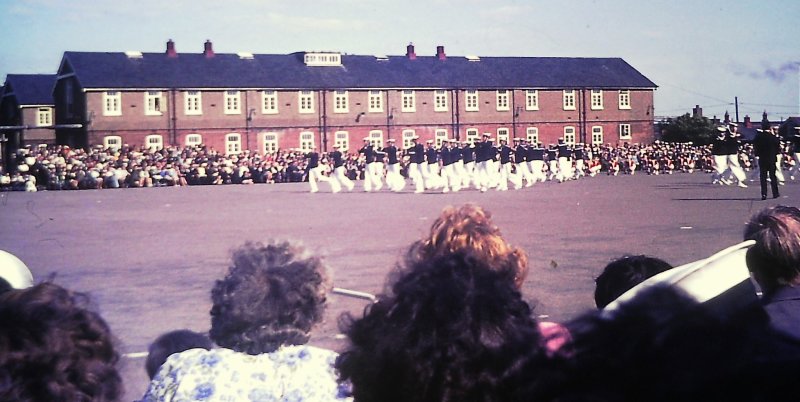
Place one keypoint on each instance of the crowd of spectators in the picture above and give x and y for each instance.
(450, 326)
(65, 168)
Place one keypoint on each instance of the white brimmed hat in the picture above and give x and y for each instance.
(14, 271)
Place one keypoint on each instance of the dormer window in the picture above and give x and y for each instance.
(321, 59)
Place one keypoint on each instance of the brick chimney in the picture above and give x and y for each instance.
(440, 53)
(171, 49)
(410, 52)
(747, 121)
(208, 51)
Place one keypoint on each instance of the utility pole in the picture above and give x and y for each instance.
(736, 102)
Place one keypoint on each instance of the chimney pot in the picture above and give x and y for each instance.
(440, 53)
(171, 52)
(209, 50)
(410, 52)
(747, 121)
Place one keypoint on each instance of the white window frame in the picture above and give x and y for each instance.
(306, 141)
(532, 135)
(44, 116)
(569, 135)
(305, 102)
(625, 131)
(596, 99)
(340, 102)
(269, 142)
(568, 97)
(375, 101)
(233, 144)
(440, 100)
(269, 101)
(472, 135)
(440, 136)
(408, 102)
(193, 103)
(376, 138)
(503, 133)
(233, 102)
(532, 99)
(624, 99)
(502, 96)
(597, 135)
(193, 139)
(108, 142)
(153, 103)
(112, 103)
(407, 135)
(342, 140)
(154, 142)
(471, 100)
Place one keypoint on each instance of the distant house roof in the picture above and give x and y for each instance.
(157, 70)
(30, 89)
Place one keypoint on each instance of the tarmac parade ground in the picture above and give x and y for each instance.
(149, 257)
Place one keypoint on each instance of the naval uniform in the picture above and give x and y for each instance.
(394, 179)
(468, 158)
(339, 171)
(315, 173)
(416, 154)
(766, 147)
(521, 162)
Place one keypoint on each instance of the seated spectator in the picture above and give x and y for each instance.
(624, 273)
(54, 348)
(451, 329)
(261, 318)
(170, 343)
(775, 264)
(14, 274)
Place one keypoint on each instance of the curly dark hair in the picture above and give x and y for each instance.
(623, 274)
(272, 295)
(453, 330)
(53, 347)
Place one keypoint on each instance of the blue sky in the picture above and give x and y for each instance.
(698, 52)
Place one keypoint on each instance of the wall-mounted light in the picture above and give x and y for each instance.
(358, 117)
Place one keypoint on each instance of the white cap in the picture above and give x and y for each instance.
(14, 271)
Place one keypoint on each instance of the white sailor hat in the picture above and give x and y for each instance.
(390, 140)
(760, 130)
(14, 271)
(797, 127)
(366, 138)
(452, 140)
(429, 141)
(487, 135)
(336, 146)
(722, 129)
(517, 139)
(414, 137)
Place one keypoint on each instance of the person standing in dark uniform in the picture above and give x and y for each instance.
(521, 162)
(794, 140)
(394, 179)
(416, 157)
(506, 173)
(431, 169)
(718, 151)
(339, 171)
(316, 172)
(766, 147)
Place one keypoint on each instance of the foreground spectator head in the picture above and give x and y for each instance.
(469, 229)
(272, 295)
(624, 273)
(451, 330)
(775, 258)
(14, 274)
(173, 342)
(54, 348)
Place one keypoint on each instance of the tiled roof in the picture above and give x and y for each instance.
(156, 70)
(31, 89)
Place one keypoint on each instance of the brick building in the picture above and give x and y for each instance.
(261, 102)
(26, 108)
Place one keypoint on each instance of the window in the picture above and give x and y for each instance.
(376, 138)
(306, 141)
(153, 102)
(624, 99)
(44, 116)
(112, 142)
(340, 102)
(532, 135)
(472, 100)
(597, 135)
(502, 135)
(375, 101)
(472, 135)
(532, 99)
(569, 99)
(342, 139)
(407, 136)
(408, 103)
(269, 102)
(193, 140)
(569, 135)
(232, 102)
(440, 136)
(192, 104)
(112, 103)
(306, 101)
(233, 144)
(624, 131)
(154, 142)
(269, 143)
(70, 97)
(440, 100)
(502, 100)
(597, 99)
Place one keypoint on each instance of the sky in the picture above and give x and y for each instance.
(699, 52)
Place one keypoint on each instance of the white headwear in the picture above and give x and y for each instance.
(14, 271)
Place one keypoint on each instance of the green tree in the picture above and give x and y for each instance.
(686, 128)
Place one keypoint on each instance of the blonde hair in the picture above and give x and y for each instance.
(470, 229)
